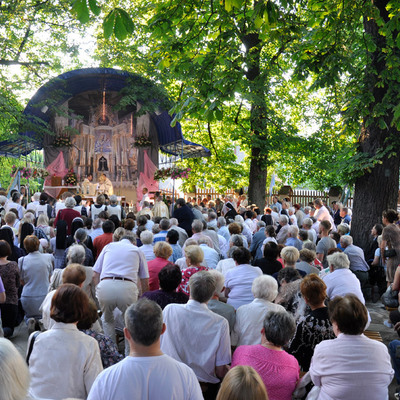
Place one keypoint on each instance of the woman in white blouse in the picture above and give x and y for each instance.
(64, 362)
(351, 366)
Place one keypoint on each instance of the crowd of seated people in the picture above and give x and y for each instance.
(214, 299)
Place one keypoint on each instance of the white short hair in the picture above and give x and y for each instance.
(14, 374)
(346, 240)
(239, 219)
(3, 200)
(146, 237)
(219, 281)
(284, 219)
(265, 287)
(293, 231)
(338, 261)
(36, 196)
(113, 199)
(70, 202)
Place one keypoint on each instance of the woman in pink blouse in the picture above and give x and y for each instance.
(278, 369)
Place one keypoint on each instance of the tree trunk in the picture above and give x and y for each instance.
(374, 193)
(376, 190)
(257, 179)
(259, 154)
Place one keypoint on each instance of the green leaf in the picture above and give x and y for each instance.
(108, 24)
(127, 20)
(218, 114)
(94, 7)
(81, 9)
(228, 5)
(119, 28)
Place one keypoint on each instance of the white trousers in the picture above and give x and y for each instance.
(114, 294)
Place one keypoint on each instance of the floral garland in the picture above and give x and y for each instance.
(70, 179)
(30, 172)
(142, 141)
(62, 141)
(173, 172)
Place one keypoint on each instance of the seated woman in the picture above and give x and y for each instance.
(194, 256)
(108, 350)
(249, 317)
(14, 376)
(269, 264)
(169, 279)
(314, 327)
(278, 369)
(239, 280)
(242, 383)
(162, 251)
(351, 366)
(80, 237)
(289, 295)
(35, 271)
(64, 362)
(9, 273)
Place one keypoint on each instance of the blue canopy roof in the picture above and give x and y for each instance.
(58, 90)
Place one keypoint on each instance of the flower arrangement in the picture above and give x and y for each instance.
(40, 173)
(62, 141)
(141, 141)
(25, 172)
(70, 179)
(173, 172)
(30, 172)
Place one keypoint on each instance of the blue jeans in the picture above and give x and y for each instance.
(395, 356)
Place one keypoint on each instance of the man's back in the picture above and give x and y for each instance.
(198, 337)
(146, 378)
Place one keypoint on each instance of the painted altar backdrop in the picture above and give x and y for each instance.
(103, 140)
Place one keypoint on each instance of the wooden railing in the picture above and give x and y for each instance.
(299, 196)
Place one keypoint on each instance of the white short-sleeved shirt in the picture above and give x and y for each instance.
(64, 363)
(224, 266)
(351, 367)
(147, 378)
(341, 282)
(249, 321)
(239, 280)
(210, 255)
(197, 337)
(122, 259)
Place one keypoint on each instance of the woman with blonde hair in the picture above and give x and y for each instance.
(43, 223)
(14, 374)
(242, 383)
(194, 257)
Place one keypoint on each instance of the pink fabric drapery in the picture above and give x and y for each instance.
(56, 168)
(146, 178)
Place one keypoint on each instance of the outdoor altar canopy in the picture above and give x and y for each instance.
(92, 121)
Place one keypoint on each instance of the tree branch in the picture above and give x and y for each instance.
(25, 64)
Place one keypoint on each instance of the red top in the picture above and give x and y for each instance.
(155, 266)
(100, 242)
(67, 215)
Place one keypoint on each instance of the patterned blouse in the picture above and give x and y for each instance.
(108, 350)
(311, 330)
(186, 274)
(9, 273)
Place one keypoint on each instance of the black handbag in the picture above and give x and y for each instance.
(389, 253)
